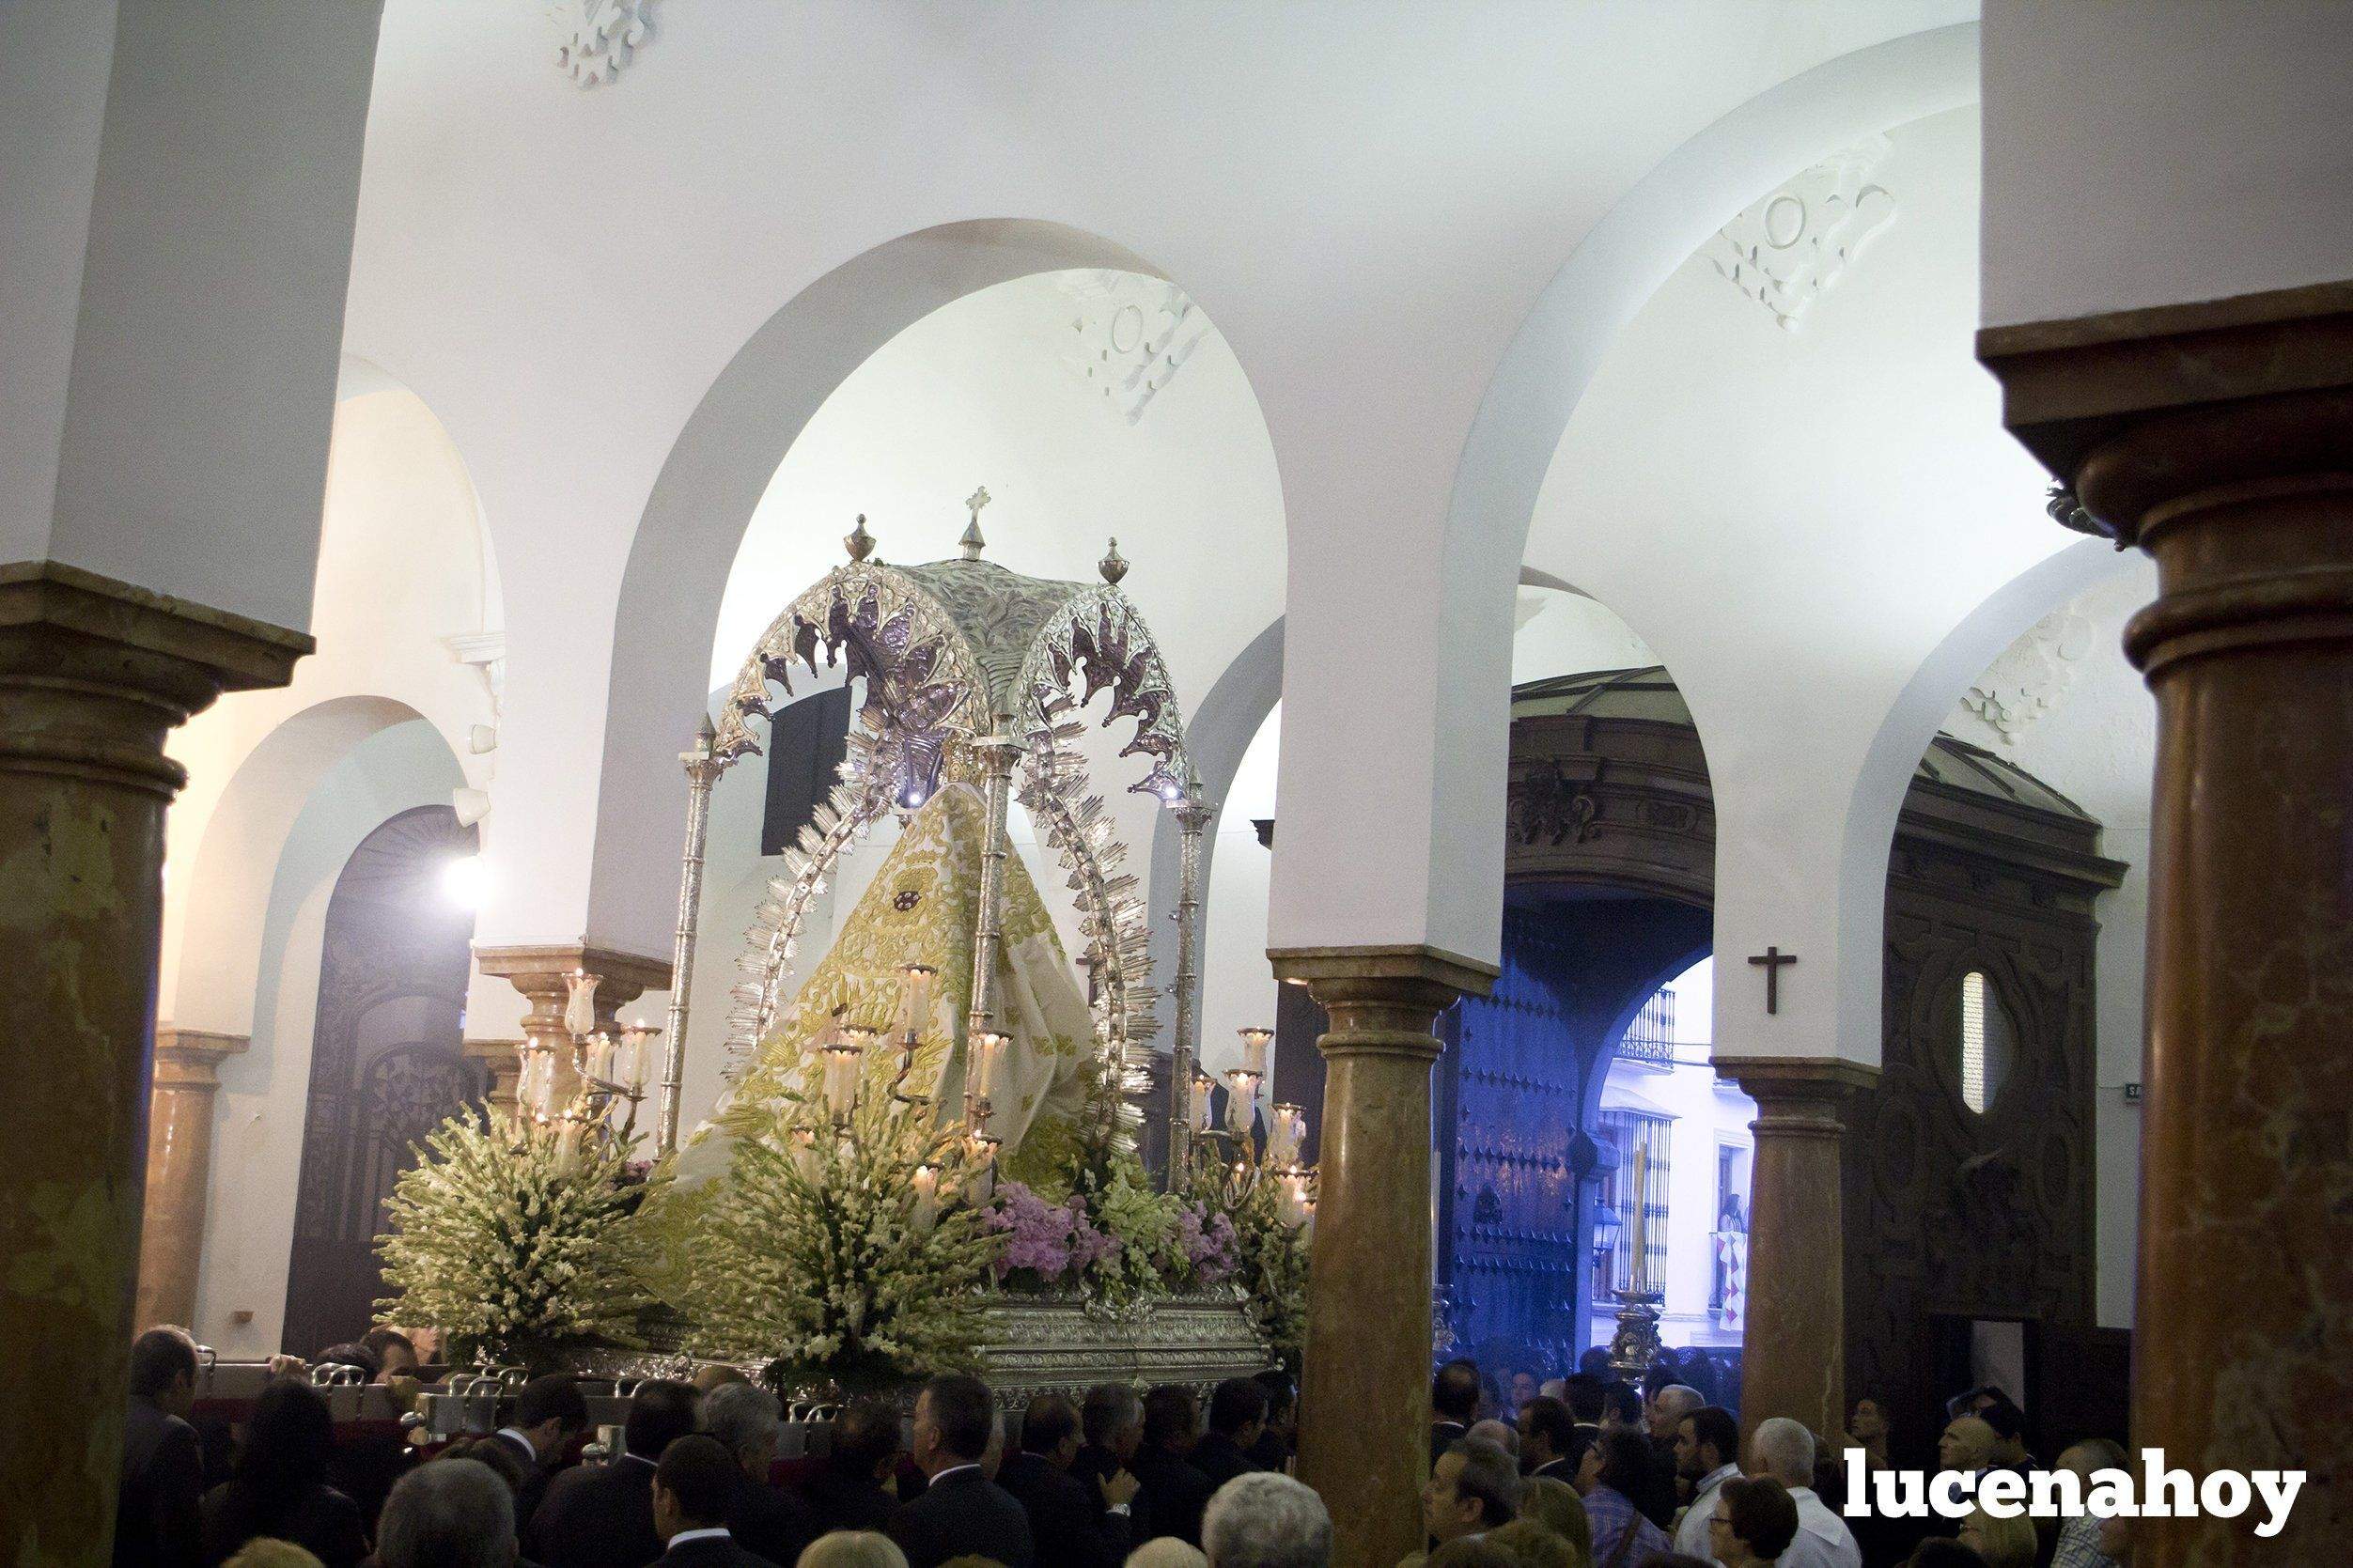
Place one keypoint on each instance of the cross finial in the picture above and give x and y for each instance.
(972, 541)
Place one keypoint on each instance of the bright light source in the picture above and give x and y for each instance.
(465, 881)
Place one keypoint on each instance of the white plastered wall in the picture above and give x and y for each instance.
(403, 565)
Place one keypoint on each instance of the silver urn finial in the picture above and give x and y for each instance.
(1114, 565)
(858, 541)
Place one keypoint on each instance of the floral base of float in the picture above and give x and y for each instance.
(1030, 1346)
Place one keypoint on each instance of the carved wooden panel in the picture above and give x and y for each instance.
(1949, 1212)
(386, 1066)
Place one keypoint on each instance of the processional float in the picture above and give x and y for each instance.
(972, 673)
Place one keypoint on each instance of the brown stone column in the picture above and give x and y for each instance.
(1363, 1434)
(502, 1060)
(1793, 1358)
(178, 1171)
(2218, 438)
(542, 973)
(93, 675)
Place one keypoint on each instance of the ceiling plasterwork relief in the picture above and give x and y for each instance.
(2032, 675)
(1129, 335)
(600, 37)
(1786, 251)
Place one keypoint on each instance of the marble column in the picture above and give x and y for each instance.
(1363, 1434)
(2218, 438)
(178, 1171)
(1794, 1356)
(542, 973)
(93, 675)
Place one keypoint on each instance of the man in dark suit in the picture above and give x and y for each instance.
(1085, 1524)
(1453, 1404)
(1272, 1451)
(602, 1516)
(846, 1491)
(694, 1487)
(1237, 1414)
(767, 1521)
(157, 1519)
(550, 1414)
(1112, 1425)
(962, 1512)
(1175, 1493)
(1551, 1442)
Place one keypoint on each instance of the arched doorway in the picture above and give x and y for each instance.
(1977, 1131)
(386, 1062)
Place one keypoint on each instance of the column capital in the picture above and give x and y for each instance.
(540, 968)
(1383, 999)
(1797, 1096)
(2071, 387)
(99, 671)
(191, 1058)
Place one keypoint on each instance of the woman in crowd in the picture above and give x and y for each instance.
(278, 1485)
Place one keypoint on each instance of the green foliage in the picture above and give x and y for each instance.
(1270, 1254)
(821, 1253)
(510, 1247)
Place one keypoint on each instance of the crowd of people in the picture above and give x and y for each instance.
(1582, 1472)
(1662, 1480)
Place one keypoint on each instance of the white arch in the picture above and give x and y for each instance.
(212, 985)
(693, 521)
(1536, 385)
(1927, 698)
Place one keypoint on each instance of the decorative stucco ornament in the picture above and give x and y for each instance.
(1786, 251)
(1129, 335)
(2032, 675)
(599, 38)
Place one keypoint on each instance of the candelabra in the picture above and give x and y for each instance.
(1286, 1124)
(842, 1051)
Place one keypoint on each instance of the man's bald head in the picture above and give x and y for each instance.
(1967, 1444)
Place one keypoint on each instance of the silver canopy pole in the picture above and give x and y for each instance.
(703, 767)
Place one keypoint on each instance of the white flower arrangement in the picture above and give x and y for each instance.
(512, 1246)
(844, 1251)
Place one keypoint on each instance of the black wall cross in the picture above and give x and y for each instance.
(1771, 959)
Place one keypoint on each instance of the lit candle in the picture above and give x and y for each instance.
(1203, 1085)
(1255, 1051)
(842, 1063)
(927, 1195)
(580, 1005)
(601, 1057)
(1241, 1100)
(914, 1001)
(1283, 1132)
(640, 1039)
(988, 1048)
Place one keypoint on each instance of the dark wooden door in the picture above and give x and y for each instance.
(387, 1063)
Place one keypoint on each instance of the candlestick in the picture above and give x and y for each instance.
(1255, 1051)
(988, 1048)
(842, 1066)
(580, 1004)
(1283, 1132)
(1639, 1273)
(1241, 1100)
(639, 1039)
(914, 1001)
